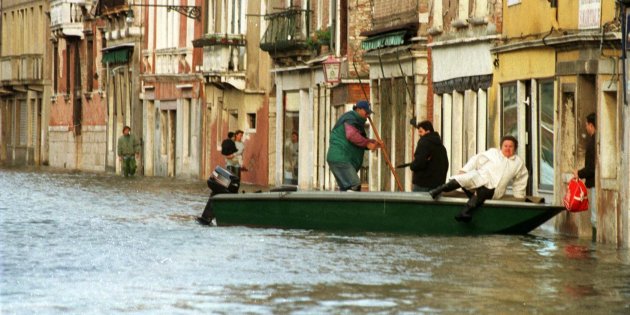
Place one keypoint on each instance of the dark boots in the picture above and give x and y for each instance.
(466, 214)
(449, 186)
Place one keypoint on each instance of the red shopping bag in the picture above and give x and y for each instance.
(576, 198)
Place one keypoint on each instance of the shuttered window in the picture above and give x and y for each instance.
(23, 122)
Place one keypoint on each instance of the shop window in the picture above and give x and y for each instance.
(546, 135)
(291, 137)
(509, 110)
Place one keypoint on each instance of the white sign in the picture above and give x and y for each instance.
(589, 14)
(513, 2)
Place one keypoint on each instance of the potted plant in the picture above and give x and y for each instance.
(323, 36)
(312, 43)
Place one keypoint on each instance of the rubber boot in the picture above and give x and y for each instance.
(468, 193)
(449, 186)
(466, 214)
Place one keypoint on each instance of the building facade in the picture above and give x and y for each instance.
(24, 82)
(77, 128)
(120, 52)
(549, 75)
(396, 52)
(170, 90)
(462, 35)
(236, 85)
(300, 36)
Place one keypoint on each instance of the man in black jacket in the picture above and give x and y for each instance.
(430, 162)
(588, 172)
(228, 148)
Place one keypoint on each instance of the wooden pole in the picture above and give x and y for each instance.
(385, 155)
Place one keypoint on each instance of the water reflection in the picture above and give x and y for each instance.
(92, 243)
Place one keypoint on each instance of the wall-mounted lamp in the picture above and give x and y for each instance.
(130, 17)
(332, 69)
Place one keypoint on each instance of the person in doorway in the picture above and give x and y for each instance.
(228, 147)
(486, 176)
(588, 171)
(348, 142)
(430, 162)
(128, 151)
(291, 153)
(235, 162)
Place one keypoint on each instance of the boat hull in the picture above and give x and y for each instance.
(407, 213)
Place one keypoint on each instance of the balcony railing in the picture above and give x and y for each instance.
(170, 60)
(21, 69)
(222, 52)
(287, 30)
(67, 16)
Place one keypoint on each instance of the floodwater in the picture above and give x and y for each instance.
(82, 243)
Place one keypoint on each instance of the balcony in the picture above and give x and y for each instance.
(23, 69)
(169, 61)
(66, 17)
(222, 53)
(287, 33)
(108, 7)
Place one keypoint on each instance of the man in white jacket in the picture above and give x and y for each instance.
(487, 175)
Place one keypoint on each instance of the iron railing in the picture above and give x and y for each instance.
(286, 30)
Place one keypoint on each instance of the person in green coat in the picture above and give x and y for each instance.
(348, 142)
(128, 151)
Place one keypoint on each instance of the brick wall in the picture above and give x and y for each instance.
(359, 20)
(389, 13)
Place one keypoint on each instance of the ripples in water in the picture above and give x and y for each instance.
(88, 243)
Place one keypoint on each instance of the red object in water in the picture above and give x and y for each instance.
(576, 198)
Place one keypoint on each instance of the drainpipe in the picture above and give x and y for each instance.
(624, 40)
(554, 14)
(624, 235)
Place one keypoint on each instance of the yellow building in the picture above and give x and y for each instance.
(550, 72)
(24, 82)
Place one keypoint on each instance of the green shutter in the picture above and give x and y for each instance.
(384, 40)
(116, 56)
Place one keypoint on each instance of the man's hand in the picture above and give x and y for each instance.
(373, 145)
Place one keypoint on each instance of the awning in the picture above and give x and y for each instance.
(462, 84)
(117, 54)
(384, 40)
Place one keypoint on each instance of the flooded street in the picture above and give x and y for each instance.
(82, 243)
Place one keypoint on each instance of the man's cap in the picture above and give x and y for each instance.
(363, 104)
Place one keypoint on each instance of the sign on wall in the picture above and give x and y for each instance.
(589, 14)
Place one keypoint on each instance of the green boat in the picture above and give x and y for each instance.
(388, 212)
